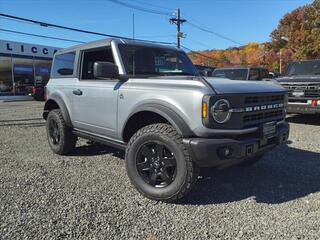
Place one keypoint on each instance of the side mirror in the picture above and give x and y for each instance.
(103, 70)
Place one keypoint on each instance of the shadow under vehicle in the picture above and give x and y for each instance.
(291, 174)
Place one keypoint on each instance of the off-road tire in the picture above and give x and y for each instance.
(186, 170)
(67, 141)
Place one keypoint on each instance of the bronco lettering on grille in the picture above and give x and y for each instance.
(257, 108)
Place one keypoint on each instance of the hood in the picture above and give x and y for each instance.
(301, 78)
(227, 86)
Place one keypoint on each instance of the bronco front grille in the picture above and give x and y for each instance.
(310, 90)
(265, 108)
(252, 110)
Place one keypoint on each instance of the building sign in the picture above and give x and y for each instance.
(26, 49)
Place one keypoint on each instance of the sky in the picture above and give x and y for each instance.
(235, 22)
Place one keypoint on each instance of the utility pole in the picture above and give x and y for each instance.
(285, 41)
(178, 21)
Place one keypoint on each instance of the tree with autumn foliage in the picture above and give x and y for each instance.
(297, 37)
(299, 31)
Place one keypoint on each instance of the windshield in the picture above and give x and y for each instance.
(234, 74)
(145, 60)
(304, 68)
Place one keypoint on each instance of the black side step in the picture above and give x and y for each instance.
(104, 141)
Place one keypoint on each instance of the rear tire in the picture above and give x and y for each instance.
(158, 164)
(60, 137)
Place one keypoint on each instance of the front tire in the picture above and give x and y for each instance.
(158, 164)
(60, 137)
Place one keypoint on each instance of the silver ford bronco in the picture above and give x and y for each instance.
(150, 101)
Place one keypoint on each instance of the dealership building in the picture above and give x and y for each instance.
(22, 65)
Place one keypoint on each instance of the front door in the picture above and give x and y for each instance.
(94, 104)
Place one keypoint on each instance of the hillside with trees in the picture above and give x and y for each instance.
(296, 37)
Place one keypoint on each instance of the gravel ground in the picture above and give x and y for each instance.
(88, 195)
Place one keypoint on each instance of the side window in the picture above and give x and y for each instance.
(91, 56)
(254, 74)
(63, 64)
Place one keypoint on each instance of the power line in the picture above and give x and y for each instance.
(179, 35)
(157, 36)
(143, 9)
(177, 20)
(16, 20)
(153, 5)
(197, 42)
(214, 33)
(197, 53)
(202, 27)
(46, 24)
(40, 36)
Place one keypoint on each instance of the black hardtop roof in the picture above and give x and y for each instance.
(99, 43)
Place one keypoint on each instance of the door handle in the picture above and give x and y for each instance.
(77, 92)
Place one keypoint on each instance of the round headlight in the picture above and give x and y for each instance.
(221, 111)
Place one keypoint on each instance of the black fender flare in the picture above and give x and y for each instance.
(62, 106)
(167, 113)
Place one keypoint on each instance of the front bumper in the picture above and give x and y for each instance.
(208, 152)
(303, 108)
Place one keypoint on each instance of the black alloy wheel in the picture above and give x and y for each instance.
(54, 132)
(156, 164)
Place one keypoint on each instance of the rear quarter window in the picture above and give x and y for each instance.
(63, 65)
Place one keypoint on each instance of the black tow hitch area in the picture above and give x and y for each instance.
(249, 149)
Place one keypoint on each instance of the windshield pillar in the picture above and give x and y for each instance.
(117, 57)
